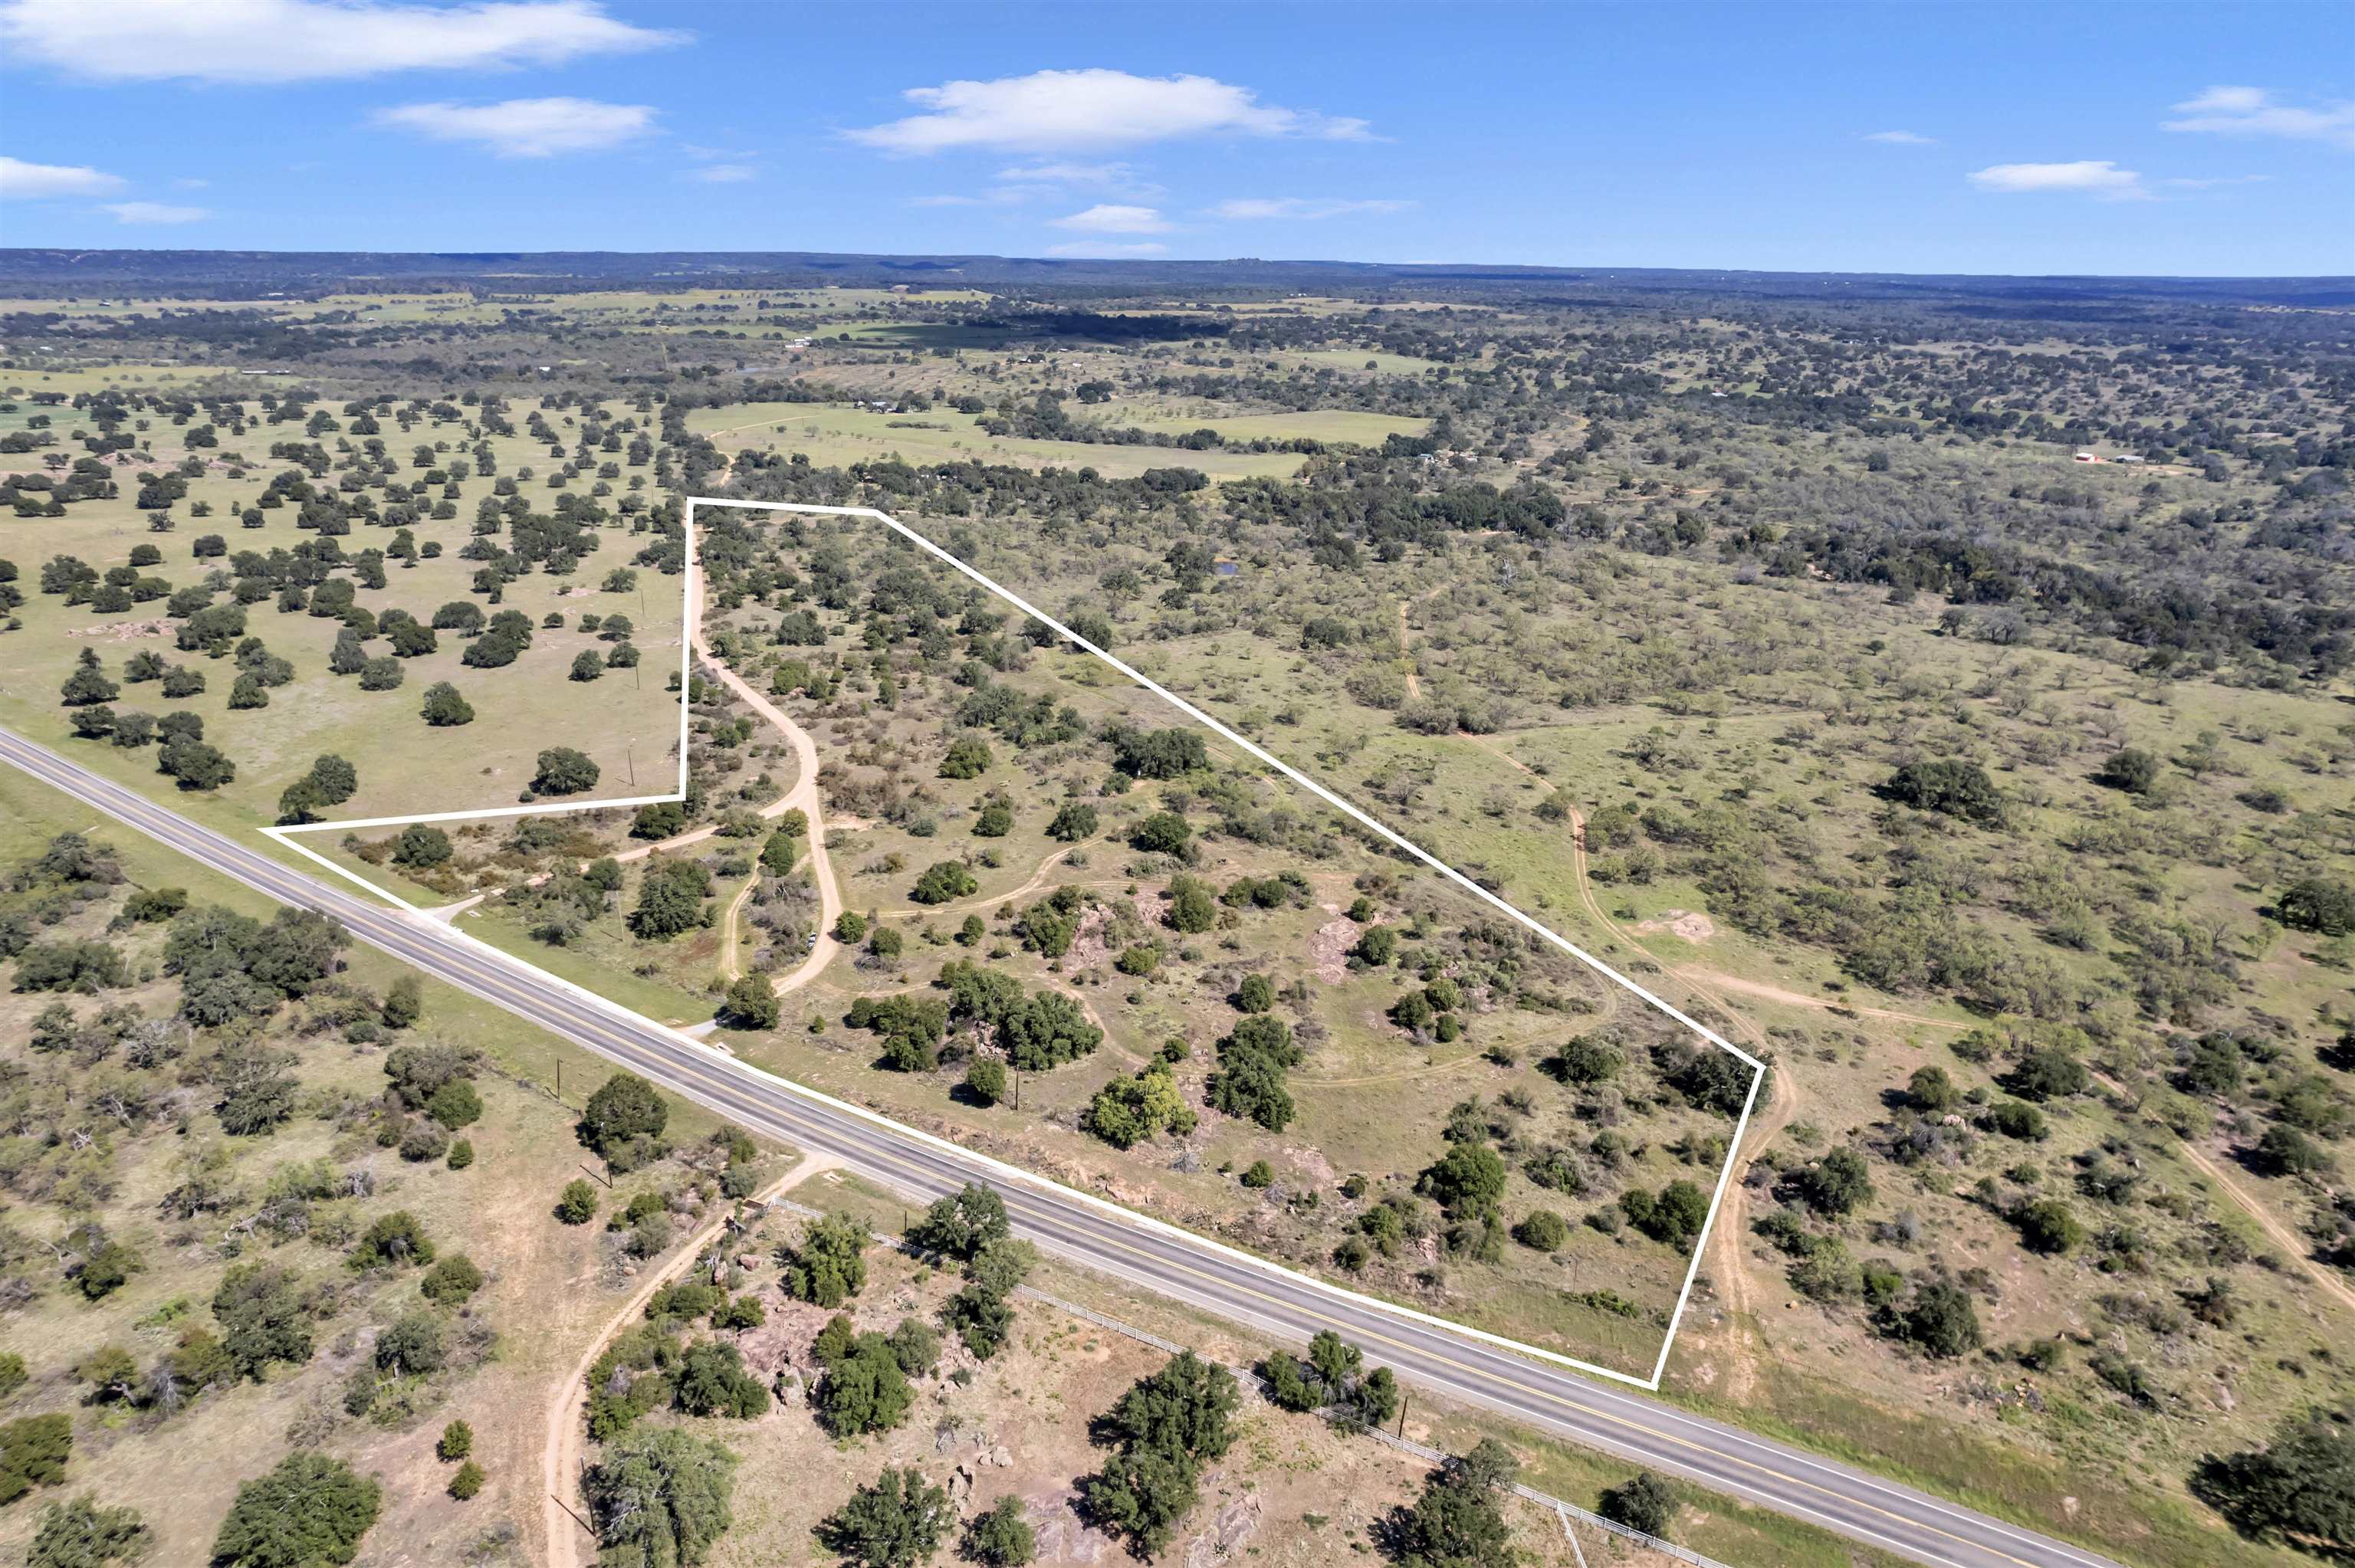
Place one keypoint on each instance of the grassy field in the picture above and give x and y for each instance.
(830, 435)
(1780, 732)
(31, 374)
(1330, 425)
(547, 1284)
(626, 721)
(1371, 362)
(1668, 728)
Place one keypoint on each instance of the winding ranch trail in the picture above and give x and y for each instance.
(1038, 880)
(1406, 657)
(1406, 647)
(731, 964)
(2283, 1236)
(560, 1453)
(1766, 993)
(560, 1458)
(804, 794)
(1730, 1269)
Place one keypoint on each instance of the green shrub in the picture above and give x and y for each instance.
(308, 1511)
(577, 1206)
(33, 1452)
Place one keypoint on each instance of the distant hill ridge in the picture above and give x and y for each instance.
(240, 273)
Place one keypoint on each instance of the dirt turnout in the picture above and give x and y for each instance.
(567, 1434)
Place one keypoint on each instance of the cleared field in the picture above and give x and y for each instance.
(830, 435)
(626, 721)
(1338, 426)
(1371, 361)
(30, 374)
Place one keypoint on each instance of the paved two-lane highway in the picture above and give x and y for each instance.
(1146, 1256)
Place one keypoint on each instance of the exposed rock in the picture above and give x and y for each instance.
(1063, 1539)
(1329, 950)
(1224, 1540)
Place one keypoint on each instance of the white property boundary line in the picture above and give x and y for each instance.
(283, 835)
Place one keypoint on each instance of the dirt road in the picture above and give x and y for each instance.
(803, 795)
(2300, 1250)
(567, 1431)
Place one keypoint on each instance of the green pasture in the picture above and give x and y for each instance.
(626, 720)
(831, 436)
(1333, 426)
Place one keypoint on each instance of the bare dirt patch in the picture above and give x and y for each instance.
(1089, 949)
(127, 631)
(1329, 950)
(1689, 924)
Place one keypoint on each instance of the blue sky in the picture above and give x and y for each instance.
(2182, 139)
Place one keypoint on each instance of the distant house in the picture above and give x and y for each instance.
(2125, 457)
(2088, 457)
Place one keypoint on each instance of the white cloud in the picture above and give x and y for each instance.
(1070, 175)
(153, 212)
(2225, 180)
(191, 183)
(525, 127)
(1249, 208)
(2088, 176)
(1901, 138)
(2253, 112)
(1105, 251)
(1051, 110)
(306, 40)
(1050, 182)
(725, 173)
(21, 181)
(1110, 218)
